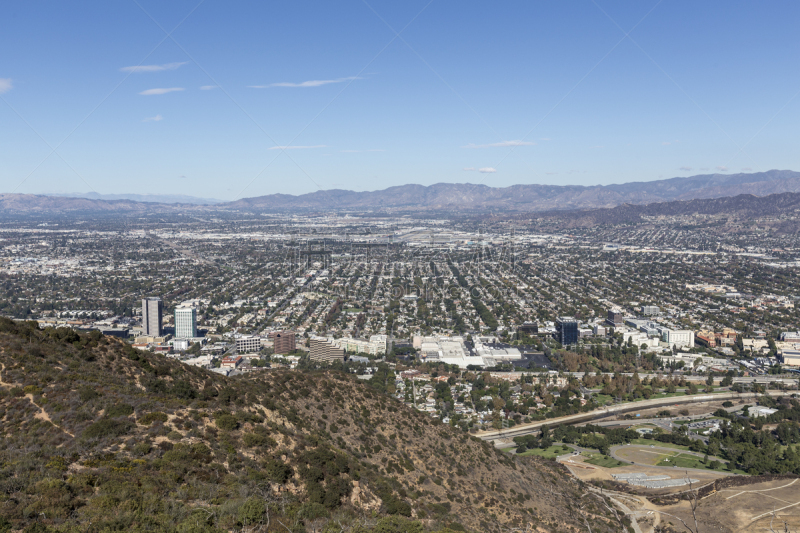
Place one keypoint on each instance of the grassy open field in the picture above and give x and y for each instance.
(679, 458)
(598, 459)
(649, 442)
(548, 453)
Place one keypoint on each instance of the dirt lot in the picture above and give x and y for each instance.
(745, 509)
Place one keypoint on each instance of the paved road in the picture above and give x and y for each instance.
(533, 427)
(789, 379)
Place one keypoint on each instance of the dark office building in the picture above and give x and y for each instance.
(567, 330)
(529, 328)
(615, 317)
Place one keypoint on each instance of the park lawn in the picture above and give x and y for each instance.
(548, 453)
(598, 459)
(649, 442)
(602, 399)
(643, 426)
(684, 460)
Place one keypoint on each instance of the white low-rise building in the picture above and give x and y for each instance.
(679, 338)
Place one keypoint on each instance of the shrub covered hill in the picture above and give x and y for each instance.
(97, 436)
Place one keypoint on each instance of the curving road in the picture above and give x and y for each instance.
(533, 427)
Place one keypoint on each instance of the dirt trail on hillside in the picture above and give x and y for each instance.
(42, 414)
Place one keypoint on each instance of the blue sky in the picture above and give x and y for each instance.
(518, 92)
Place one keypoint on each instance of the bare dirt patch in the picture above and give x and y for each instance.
(748, 508)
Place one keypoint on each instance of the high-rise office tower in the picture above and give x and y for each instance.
(283, 342)
(152, 311)
(615, 317)
(567, 330)
(185, 322)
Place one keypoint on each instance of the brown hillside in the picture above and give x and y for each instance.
(97, 436)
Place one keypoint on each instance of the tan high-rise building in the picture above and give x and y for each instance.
(283, 342)
(324, 351)
(152, 311)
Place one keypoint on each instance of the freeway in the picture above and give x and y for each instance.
(533, 427)
(787, 379)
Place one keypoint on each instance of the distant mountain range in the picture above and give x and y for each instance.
(37, 203)
(465, 196)
(152, 198)
(462, 198)
(743, 206)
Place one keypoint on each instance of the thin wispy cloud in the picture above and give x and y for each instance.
(747, 169)
(156, 118)
(208, 87)
(722, 169)
(686, 169)
(503, 144)
(153, 68)
(487, 170)
(360, 151)
(297, 147)
(310, 83)
(5, 85)
(151, 92)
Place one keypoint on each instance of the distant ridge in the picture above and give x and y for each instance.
(533, 197)
(458, 198)
(37, 203)
(152, 198)
(743, 206)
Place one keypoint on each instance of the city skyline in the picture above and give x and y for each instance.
(198, 99)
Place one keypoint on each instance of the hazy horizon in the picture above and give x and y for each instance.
(202, 100)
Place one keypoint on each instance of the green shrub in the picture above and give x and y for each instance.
(141, 448)
(276, 470)
(251, 512)
(184, 389)
(174, 435)
(107, 428)
(252, 440)
(155, 416)
(120, 409)
(87, 393)
(32, 389)
(225, 421)
(396, 524)
(394, 505)
(312, 511)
